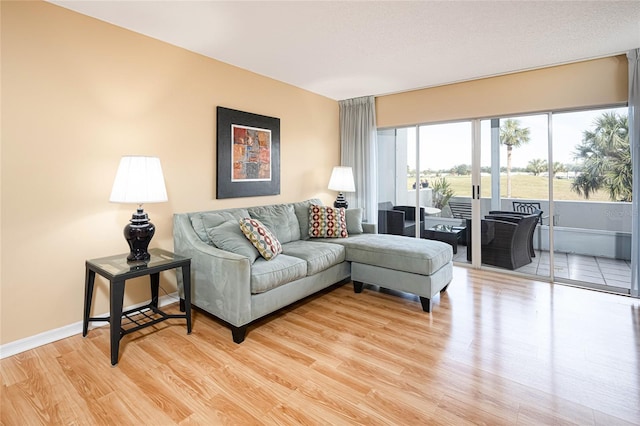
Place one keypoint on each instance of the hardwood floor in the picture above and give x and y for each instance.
(495, 350)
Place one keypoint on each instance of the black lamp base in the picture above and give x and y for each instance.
(341, 201)
(138, 234)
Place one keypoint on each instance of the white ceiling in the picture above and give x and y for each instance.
(347, 49)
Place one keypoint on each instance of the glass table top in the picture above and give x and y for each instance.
(118, 264)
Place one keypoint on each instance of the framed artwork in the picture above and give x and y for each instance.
(248, 154)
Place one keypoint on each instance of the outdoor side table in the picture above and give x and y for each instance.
(444, 233)
(117, 270)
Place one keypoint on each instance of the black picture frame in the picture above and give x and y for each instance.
(242, 167)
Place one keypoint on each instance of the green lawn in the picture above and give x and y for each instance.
(523, 186)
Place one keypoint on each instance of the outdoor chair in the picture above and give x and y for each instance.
(528, 207)
(515, 216)
(505, 243)
(460, 210)
(398, 220)
(487, 233)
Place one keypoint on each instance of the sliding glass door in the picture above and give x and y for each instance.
(572, 168)
(446, 161)
(397, 182)
(423, 168)
(592, 198)
(576, 168)
(515, 181)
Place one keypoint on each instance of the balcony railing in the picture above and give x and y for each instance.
(589, 228)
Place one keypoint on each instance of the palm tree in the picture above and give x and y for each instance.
(606, 159)
(558, 167)
(537, 166)
(513, 136)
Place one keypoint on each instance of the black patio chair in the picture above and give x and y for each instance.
(398, 220)
(460, 210)
(505, 243)
(528, 207)
(515, 216)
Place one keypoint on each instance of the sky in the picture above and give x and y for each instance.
(453, 140)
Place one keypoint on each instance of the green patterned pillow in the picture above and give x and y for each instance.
(261, 237)
(327, 222)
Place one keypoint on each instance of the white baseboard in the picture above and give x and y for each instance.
(50, 336)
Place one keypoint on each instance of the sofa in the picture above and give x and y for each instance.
(237, 283)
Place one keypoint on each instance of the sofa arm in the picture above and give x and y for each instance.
(369, 228)
(220, 280)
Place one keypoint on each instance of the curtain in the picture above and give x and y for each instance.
(634, 144)
(358, 149)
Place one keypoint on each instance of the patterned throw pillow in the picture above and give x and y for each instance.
(327, 222)
(261, 237)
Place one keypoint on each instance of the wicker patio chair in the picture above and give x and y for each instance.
(505, 243)
(398, 220)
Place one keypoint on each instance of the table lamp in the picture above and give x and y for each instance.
(341, 181)
(139, 180)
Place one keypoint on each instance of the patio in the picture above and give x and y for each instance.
(598, 272)
(592, 239)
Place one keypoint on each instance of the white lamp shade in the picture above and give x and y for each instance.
(139, 180)
(342, 180)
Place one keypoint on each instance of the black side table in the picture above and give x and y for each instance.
(444, 233)
(117, 270)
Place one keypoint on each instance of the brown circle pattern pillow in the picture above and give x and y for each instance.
(261, 237)
(327, 222)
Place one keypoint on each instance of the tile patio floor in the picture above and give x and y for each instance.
(599, 272)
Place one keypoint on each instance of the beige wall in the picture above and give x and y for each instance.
(583, 84)
(77, 94)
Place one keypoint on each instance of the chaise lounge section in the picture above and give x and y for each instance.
(412, 265)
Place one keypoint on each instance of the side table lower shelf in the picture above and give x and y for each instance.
(147, 319)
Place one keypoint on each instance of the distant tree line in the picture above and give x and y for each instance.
(603, 158)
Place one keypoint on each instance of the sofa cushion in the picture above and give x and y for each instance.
(281, 270)
(327, 222)
(301, 210)
(204, 221)
(318, 254)
(261, 237)
(397, 252)
(230, 237)
(354, 221)
(280, 219)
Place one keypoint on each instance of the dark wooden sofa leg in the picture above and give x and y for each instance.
(182, 307)
(238, 333)
(426, 304)
(357, 287)
(444, 288)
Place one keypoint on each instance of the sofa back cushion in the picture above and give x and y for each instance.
(354, 221)
(302, 213)
(202, 222)
(229, 237)
(279, 219)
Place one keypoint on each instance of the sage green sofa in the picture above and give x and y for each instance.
(231, 283)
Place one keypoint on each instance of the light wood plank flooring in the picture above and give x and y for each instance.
(495, 350)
